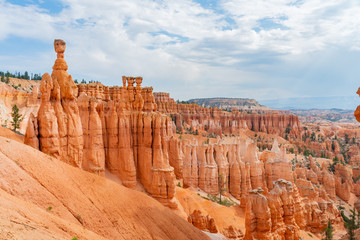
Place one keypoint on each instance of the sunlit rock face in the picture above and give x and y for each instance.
(94, 127)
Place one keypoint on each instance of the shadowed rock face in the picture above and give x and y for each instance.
(93, 127)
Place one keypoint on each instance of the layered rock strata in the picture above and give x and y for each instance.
(214, 120)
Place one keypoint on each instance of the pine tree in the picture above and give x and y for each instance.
(17, 118)
(7, 78)
(328, 231)
(26, 75)
(351, 225)
(222, 185)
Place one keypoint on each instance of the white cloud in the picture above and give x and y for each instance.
(178, 43)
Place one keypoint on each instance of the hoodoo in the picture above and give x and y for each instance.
(94, 127)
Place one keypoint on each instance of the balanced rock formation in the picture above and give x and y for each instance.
(60, 131)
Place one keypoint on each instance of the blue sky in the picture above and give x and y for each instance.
(262, 49)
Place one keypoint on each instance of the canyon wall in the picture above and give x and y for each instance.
(213, 120)
(278, 202)
(95, 127)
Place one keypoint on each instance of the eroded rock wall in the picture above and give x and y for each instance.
(214, 120)
(93, 127)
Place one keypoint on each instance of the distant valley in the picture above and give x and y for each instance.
(339, 102)
(309, 110)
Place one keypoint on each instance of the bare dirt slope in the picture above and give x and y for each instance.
(7, 133)
(43, 198)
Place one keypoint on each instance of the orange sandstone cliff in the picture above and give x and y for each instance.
(94, 127)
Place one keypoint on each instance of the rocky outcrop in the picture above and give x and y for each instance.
(258, 216)
(276, 165)
(205, 223)
(95, 127)
(273, 215)
(343, 181)
(328, 181)
(32, 133)
(281, 213)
